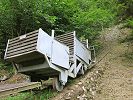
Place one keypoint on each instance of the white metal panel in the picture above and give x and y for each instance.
(44, 43)
(60, 54)
(82, 51)
(6, 49)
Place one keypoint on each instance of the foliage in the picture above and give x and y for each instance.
(128, 5)
(129, 38)
(98, 46)
(87, 17)
(7, 67)
(129, 55)
(34, 95)
(129, 23)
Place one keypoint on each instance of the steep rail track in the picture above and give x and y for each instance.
(10, 89)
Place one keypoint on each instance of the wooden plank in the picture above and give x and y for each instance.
(22, 45)
(27, 37)
(67, 39)
(70, 44)
(21, 52)
(66, 34)
(67, 42)
(24, 41)
(64, 38)
(9, 89)
(36, 31)
(24, 53)
(21, 48)
(71, 47)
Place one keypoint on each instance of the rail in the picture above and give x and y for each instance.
(10, 89)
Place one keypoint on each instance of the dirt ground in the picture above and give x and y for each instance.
(111, 78)
(117, 80)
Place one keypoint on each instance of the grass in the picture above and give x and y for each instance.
(27, 95)
(129, 38)
(129, 55)
(20, 96)
(7, 67)
(33, 95)
(129, 23)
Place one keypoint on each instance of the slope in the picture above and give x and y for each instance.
(112, 76)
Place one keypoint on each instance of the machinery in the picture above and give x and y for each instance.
(42, 56)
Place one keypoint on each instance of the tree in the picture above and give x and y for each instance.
(87, 17)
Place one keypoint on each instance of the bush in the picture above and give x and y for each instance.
(129, 23)
(129, 55)
(7, 67)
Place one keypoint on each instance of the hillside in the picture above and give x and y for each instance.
(111, 78)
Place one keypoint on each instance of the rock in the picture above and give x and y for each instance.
(76, 86)
(92, 79)
(80, 98)
(79, 83)
(84, 96)
(68, 98)
(93, 88)
(93, 93)
(97, 72)
(90, 89)
(131, 79)
(3, 78)
(84, 89)
(69, 94)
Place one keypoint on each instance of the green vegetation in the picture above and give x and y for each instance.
(9, 71)
(86, 17)
(129, 24)
(33, 95)
(129, 55)
(129, 40)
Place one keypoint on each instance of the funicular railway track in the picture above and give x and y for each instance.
(57, 57)
(10, 89)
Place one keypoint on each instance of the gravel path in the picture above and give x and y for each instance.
(117, 80)
(111, 78)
